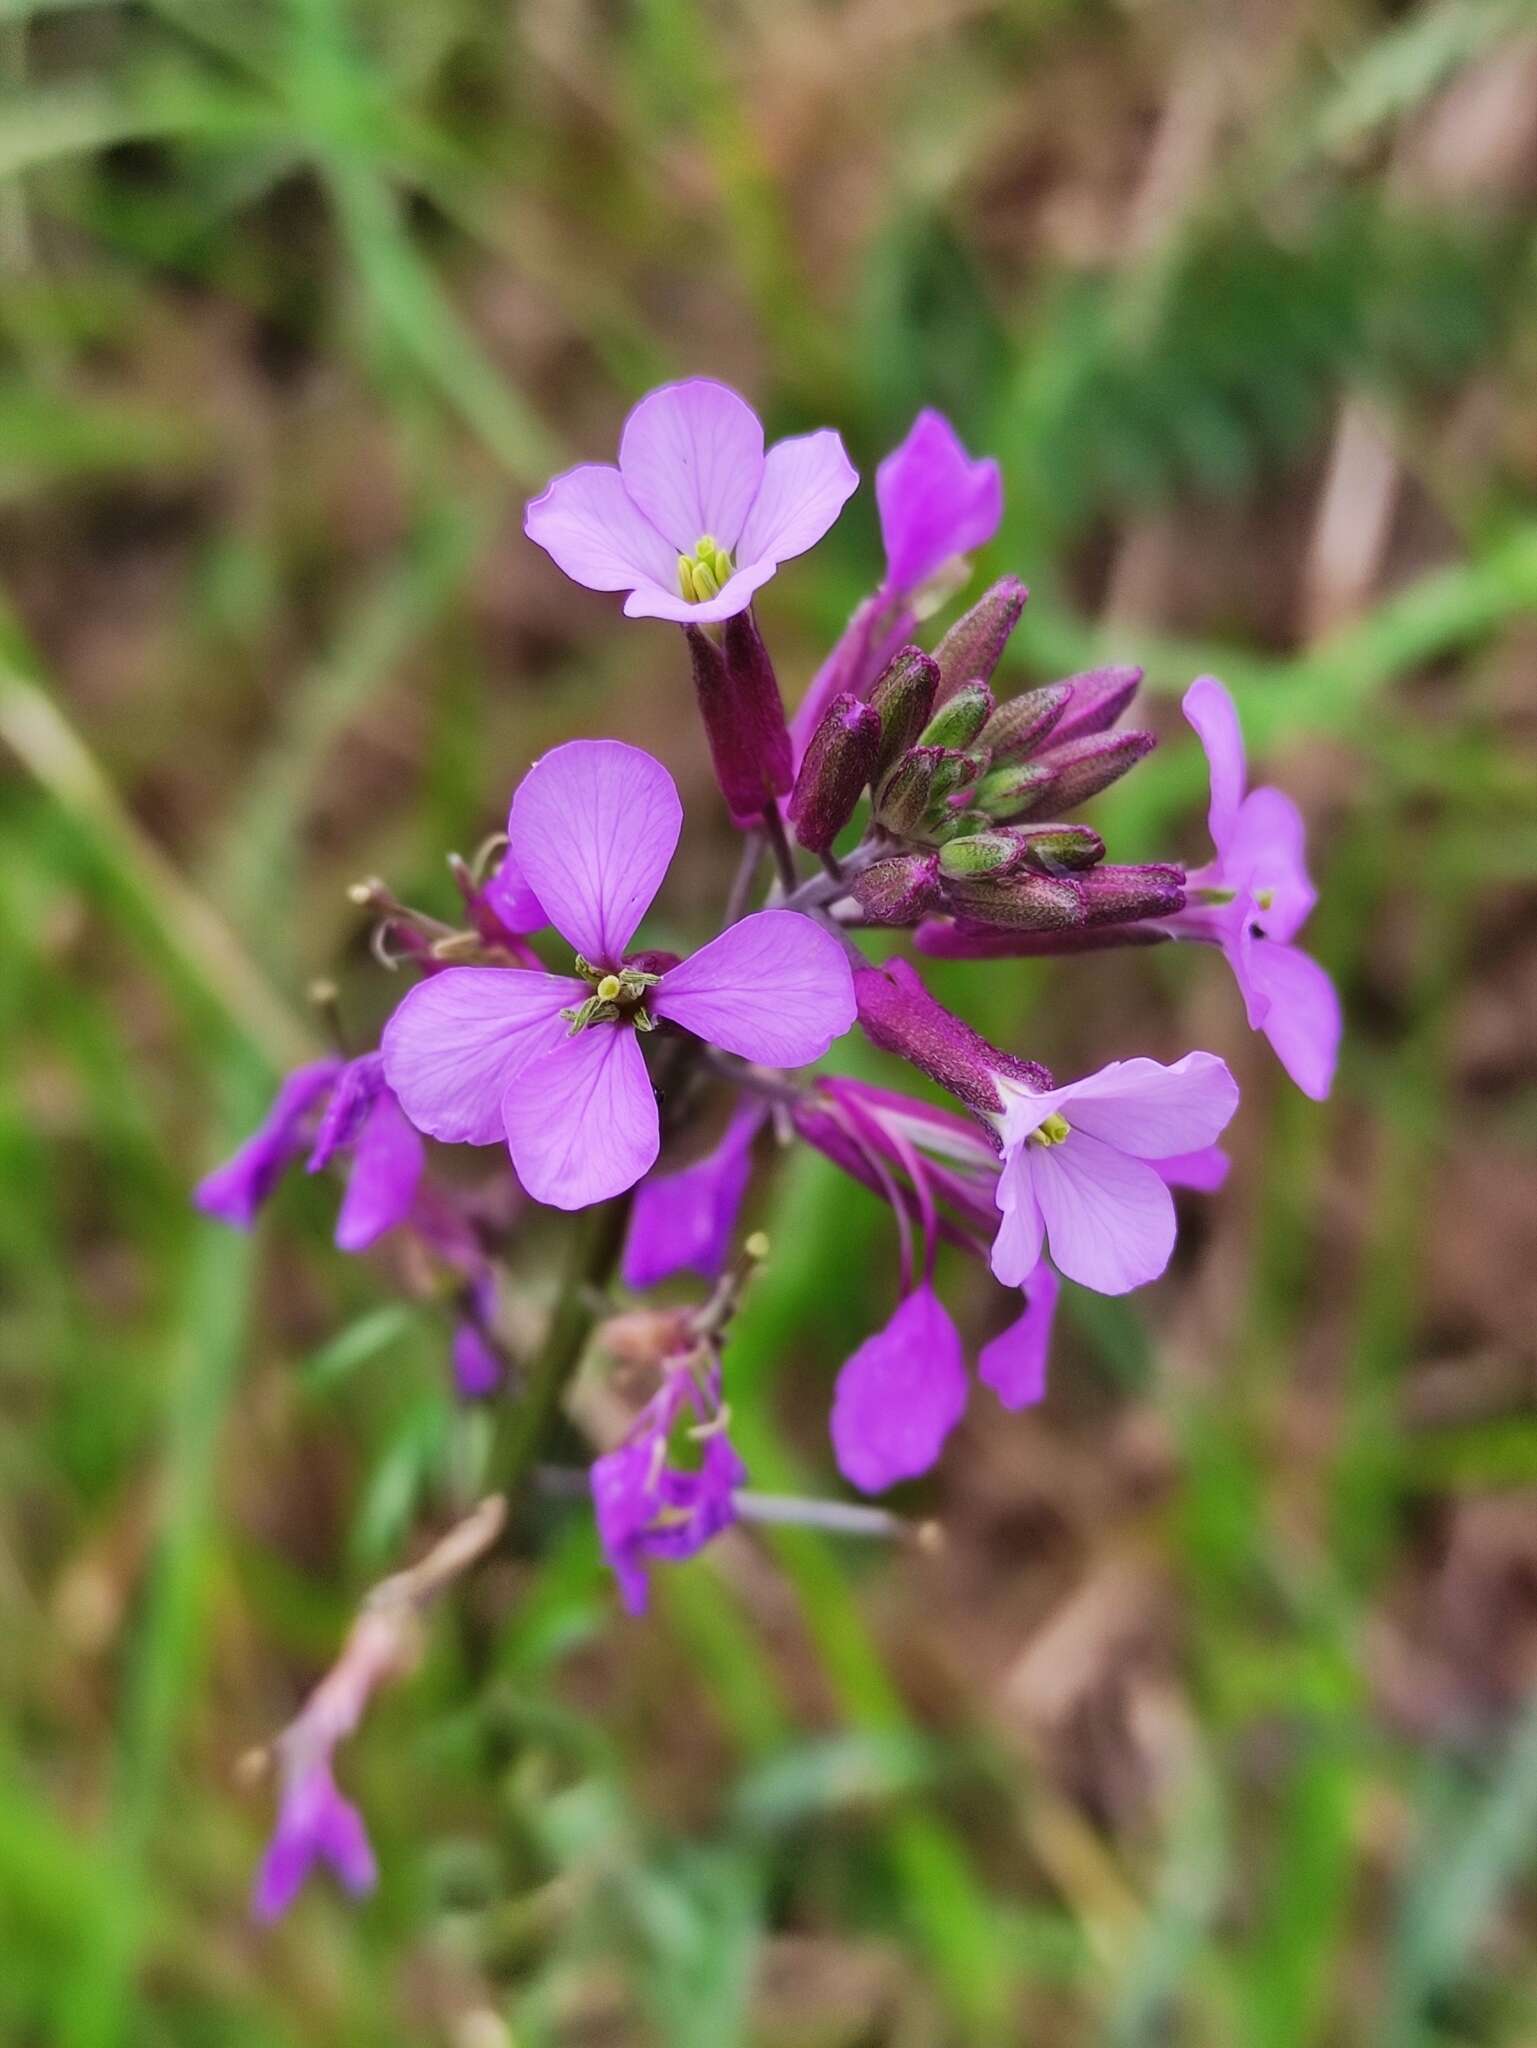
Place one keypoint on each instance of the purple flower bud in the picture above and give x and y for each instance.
(899, 1015)
(903, 697)
(971, 650)
(1111, 895)
(744, 718)
(1000, 850)
(1064, 776)
(902, 800)
(839, 761)
(1022, 901)
(960, 718)
(1020, 723)
(1096, 700)
(898, 890)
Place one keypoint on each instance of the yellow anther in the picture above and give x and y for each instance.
(1264, 898)
(1052, 1131)
(705, 572)
(610, 988)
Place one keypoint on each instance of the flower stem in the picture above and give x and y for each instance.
(779, 846)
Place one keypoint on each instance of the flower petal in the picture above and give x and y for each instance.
(458, 1038)
(590, 526)
(807, 481)
(934, 501)
(1014, 1364)
(1109, 1218)
(774, 987)
(581, 1120)
(1303, 1020)
(682, 1222)
(387, 1160)
(1017, 1248)
(1203, 1171)
(509, 897)
(659, 601)
(1211, 711)
(1266, 858)
(691, 456)
(1152, 1111)
(593, 826)
(899, 1396)
(235, 1191)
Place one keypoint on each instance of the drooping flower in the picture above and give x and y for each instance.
(647, 1507)
(899, 1395)
(1079, 1168)
(697, 516)
(682, 1222)
(553, 1064)
(315, 1826)
(359, 1116)
(1254, 898)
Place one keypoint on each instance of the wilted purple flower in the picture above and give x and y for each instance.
(1254, 898)
(696, 517)
(645, 1506)
(682, 1222)
(553, 1064)
(315, 1825)
(1087, 1182)
(361, 1116)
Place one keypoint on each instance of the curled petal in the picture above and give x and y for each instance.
(387, 1160)
(934, 501)
(590, 526)
(581, 1119)
(899, 1396)
(774, 987)
(691, 456)
(1014, 1364)
(1150, 1110)
(1302, 1018)
(459, 1037)
(1209, 708)
(1109, 1218)
(806, 483)
(593, 826)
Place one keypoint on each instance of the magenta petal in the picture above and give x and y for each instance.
(510, 899)
(1303, 1020)
(581, 1120)
(1153, 1111)
(387, 1160)
(1203, 1172)
(935, 501)
(899, 1396)
(593, 826)
(806, 483)
(682, 1222)
(1017, 1248)
(691, 456)
(235, 1191)
(315, 1825)
(1109, 1219)
(774, 987)
(590, 526)
(1014, 1364)
(1266, 858)
(459, 1037)
(1210, 710)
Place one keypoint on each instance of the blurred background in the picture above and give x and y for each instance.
(1215, 1718)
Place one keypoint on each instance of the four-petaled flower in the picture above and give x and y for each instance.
(552, 1064)
(1078, 1169)
(697, 516)
(1254, 898)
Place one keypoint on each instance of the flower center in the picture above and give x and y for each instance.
(703, 574)
(616, 998)
(1054, 1131)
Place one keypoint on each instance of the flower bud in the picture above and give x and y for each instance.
(957, 722)
(979, 854)
(898, 890)
(838, 762)
(898, 1014)
(1064, 776)
(1022, 901)
(1020, 723)
(903, 696)
(1096, 700)
(903, 798)
(1002, 849)
(970, 651)
(1114, 895)
(744, 719)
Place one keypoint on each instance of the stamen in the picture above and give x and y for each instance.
(610, 988)
(1053, 1131)
(704, 574)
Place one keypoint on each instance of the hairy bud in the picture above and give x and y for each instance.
(903, 698)
(1063, 777)
(1023, 901)
(958, 721)
(1096, 700)
(1003, 849)
(903, 798)
(744, 718)
(839, 760)
(899, 890)
(1112, 895)
(972, 648)
(1020, 724)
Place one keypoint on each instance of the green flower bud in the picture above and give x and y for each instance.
(957, 722)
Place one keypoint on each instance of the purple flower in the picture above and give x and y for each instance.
(1254, 898)
(315, 1825)
(645, 1506)
(553, 1064)
(360, 1115)
(1079, 1172)
(509, 899)
(935, 502)
(682, 1222)
(697, 516)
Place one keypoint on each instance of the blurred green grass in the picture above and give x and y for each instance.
(299, 302)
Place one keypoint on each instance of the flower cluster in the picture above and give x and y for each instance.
(913, 792)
